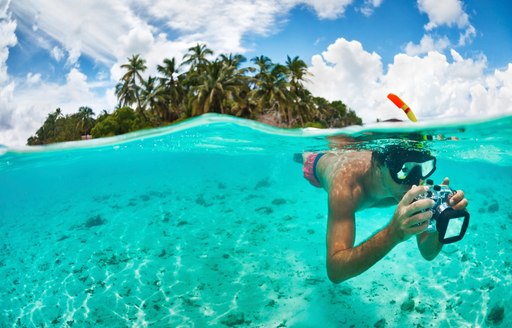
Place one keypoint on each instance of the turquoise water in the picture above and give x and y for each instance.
(210, 223)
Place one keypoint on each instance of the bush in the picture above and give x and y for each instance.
(317, 125)
(123, 120)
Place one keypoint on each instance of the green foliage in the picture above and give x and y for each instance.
(340, 107)
(58, 127)
(123, 120)
(334, 114)
(202, 84)
(317, 125)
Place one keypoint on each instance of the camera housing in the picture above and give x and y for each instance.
(451, 224)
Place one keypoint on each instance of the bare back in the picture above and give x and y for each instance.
(345, 170)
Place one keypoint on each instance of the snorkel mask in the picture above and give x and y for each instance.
(409, 166)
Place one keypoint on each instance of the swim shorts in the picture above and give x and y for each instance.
(309, 168)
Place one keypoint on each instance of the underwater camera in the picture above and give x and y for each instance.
(451, 224)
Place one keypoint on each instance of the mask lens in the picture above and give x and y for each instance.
(413, 171)
(427, 168)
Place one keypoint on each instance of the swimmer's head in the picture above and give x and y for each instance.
(406, 165)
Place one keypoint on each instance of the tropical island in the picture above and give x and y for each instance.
(268, 92)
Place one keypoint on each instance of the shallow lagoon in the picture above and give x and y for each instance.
(211, 223)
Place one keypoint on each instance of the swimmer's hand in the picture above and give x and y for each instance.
(457, 200)
(410, 218)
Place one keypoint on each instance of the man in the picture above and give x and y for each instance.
(356, 180)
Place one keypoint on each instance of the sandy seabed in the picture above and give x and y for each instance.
(240, 252)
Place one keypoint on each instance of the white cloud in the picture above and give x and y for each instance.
(87, 27)
(7, 39)
(33, 78)
(433, 85)
(25, 105)
(426, 45)
(109, 31)
(442, 13)
(57, 53)
(220, 24)
(446, 12)
(369, 7)
(329, 8)
(138, 40)
(6, 108)
(467, 36)
(344, 70)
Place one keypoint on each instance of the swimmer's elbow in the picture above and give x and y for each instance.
(430, 254)
(429, 257)
(338, 278)
(336, 273)
(335, 279)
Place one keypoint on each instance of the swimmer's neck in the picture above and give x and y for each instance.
(374, 186)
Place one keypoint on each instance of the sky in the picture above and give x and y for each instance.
(447, 59)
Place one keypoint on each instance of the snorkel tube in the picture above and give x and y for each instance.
(403, 106)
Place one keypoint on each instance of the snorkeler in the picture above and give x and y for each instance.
(356, 180)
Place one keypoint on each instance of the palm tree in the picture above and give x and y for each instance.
(172, 88)
(197, 61)
(264, 64)
(234, 61)
(302, 109)
(271, 87)
(85, 120)
(218, 84)
(128, 90)
(48, 132)
(152, 98)
(125, 94)
(297, 72)
(196, 56)
(240, 105)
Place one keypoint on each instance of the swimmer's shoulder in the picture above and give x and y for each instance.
(346, 169)
(352, 161)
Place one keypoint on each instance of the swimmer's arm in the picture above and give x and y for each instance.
(345, 261)
(429, 245)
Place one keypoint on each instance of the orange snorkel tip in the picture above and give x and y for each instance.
(403, 106)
